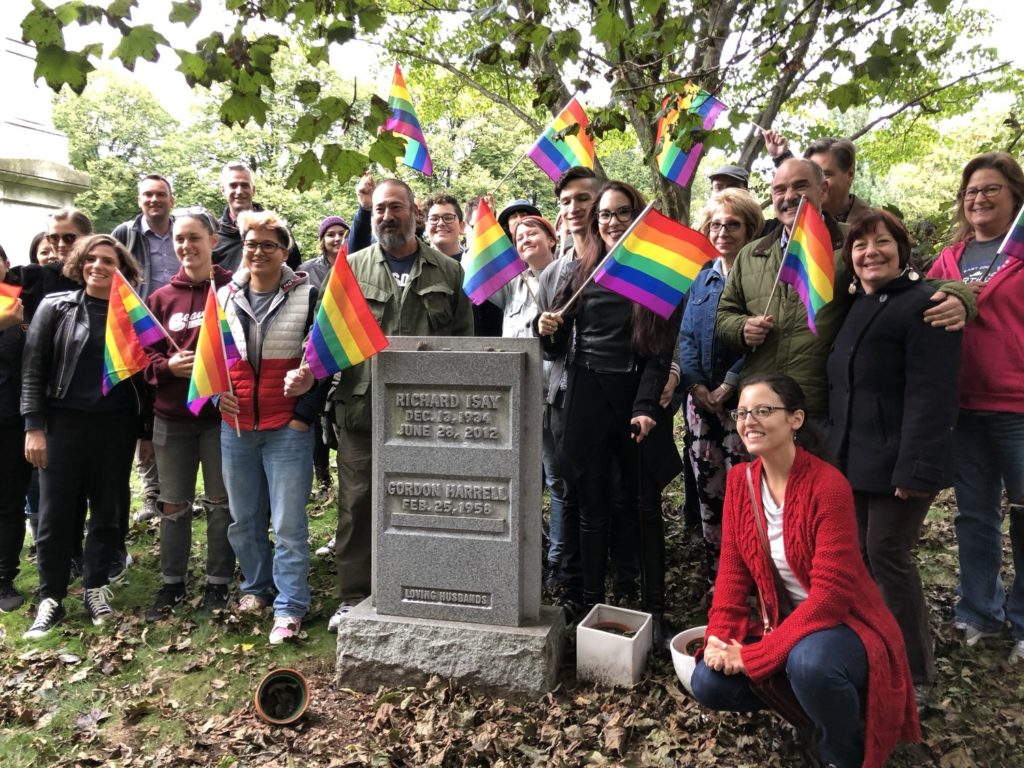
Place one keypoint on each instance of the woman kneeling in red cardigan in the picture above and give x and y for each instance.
(827, 626)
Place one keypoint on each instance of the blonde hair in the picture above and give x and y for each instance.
(739, 202)
(265, 220)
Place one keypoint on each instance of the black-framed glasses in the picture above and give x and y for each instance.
(728, 226)
(436, 218)
(988, 191)
(266, 246)
(759, 412)
(68, 238)
(623, 214)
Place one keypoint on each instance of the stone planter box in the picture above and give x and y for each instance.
(617, 653)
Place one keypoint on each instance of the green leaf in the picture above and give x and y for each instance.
(371, 18)
(340, 32)
(59, 67)
(386, 149)
(343, 164)
(194, 68)
(240, 108)
(121, 9)
(306, 173)
(140, 42)
(184, 11)
(307, 91)
(67, 13)
(41, 28)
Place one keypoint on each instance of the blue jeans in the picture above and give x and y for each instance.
(989, 454)
(828, 671)
(556, 489)
(268, 475)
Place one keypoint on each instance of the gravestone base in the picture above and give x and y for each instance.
(398, 651)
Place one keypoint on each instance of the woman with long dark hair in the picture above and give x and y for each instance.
(620, 354)
(81, 440)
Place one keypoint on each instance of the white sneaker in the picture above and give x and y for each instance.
(326, 550)
(97, 604)
(973, 635)
(285, 628)
(1017, 654)
(48, 616)
(339, 616)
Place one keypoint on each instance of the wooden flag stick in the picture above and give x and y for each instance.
(775, 285)
(505, 177)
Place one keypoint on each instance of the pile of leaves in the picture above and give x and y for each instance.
(180, 693)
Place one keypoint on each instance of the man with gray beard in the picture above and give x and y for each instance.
(412, 290)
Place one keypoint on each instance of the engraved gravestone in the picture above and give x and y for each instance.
(456, 522)
(457, 480)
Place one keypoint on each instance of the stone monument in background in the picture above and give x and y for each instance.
(456, 522)
(35, 177)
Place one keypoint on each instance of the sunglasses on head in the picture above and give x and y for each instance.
(68, 238)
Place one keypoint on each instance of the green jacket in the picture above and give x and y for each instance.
(431, 304)
(790, 347)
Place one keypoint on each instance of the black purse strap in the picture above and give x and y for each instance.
(781, 594)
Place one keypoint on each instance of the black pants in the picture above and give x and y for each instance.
(321, 455)
(889, 529)
(597, 439)
(17, 473)
(90, 453)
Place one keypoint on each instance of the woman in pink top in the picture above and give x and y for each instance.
(989, 445)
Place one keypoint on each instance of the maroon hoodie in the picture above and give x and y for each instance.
(179, 307)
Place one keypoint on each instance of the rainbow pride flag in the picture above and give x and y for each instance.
(559, 148)
(130, 327)
(809, 264)
(345, 332)
(492, 259)
(215, 354)
(8, 295)
(675, 164)
(1013, 245)
(403, 120)
(656, 262)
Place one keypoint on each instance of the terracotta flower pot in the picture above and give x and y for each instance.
(282, 696)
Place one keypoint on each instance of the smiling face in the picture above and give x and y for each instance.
(727, 232)
(238, 190)
(444, 228)
(612, 208)
(771, 433)
(45, 252)
(795, 179)
(534, 245)
(990, 214)
(876, 258)
(394, 219)
(335, 236)
(575, 202)
(263, 255)
(98, 269)
(193, 245)
(155, 200)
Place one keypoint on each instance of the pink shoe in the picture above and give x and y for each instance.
(285, 628)
(252, 604)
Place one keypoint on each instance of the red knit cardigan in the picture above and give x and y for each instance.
(820, 535)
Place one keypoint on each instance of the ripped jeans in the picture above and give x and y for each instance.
(180, 448)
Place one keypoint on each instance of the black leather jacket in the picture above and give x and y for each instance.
(56, 337)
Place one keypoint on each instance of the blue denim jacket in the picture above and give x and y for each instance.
(702, 358)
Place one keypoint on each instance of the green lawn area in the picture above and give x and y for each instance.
(179, 692)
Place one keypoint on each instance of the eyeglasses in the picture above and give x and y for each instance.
(67, 238)
(447, 218)
(267, 246)
(759, 412)
(195, 210)
(989, 191)
(623, 214)
(728, 226)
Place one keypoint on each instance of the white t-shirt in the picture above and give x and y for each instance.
(773, 514)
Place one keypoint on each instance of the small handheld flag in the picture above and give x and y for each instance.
(565, 144)
(808, 264)
(492, 260)
(403, 120)
(345, 332)
(130, 327)
(655, 262)
(675, 164)
(215, 354)
(8, 295)
(1013, 245)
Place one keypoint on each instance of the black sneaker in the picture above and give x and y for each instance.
(169, 596)
(10, 598)
(48, 616)
(97, 604)
(215, 597)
